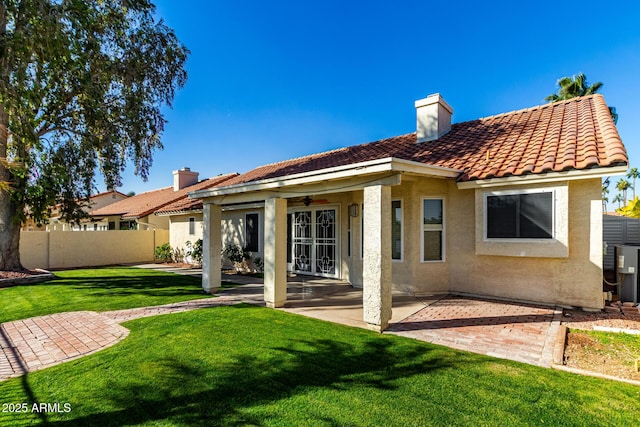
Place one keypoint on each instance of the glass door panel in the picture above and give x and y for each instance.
(302, 241)
(325, 242)
(314, 242)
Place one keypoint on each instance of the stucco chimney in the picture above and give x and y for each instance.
(184, 178)
(433, 117)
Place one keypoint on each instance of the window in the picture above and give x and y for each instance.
(432, 230)
(251, 232)
(192, 226)
(396, 229)
(519, 216)
(128, 225)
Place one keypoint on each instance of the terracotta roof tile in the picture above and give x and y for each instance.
(149, 202)
(569, 135)
(186, 204)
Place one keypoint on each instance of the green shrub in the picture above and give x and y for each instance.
(259, 263)
(163, 253)
(238, 256)
(194, 250)
(178, 255)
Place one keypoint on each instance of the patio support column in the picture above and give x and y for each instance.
(377, 257)
(275, 252)
(211, 248)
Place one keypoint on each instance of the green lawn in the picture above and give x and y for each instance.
(99, 289)
(246, 365)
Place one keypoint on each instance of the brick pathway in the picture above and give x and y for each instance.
(524, 333)
(39, 342)
(36, 343)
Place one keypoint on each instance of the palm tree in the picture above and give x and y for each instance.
(619, 199)
(623, 185)
(571, 87)
(633, 174)
(605, 191)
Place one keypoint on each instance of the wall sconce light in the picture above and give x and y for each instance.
(353, 210)
(307, 201)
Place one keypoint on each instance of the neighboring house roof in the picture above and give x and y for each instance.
(570, 135)
(144, 204)
(108, 193)
(185, 204)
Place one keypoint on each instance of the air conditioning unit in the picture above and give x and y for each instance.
(626, 264)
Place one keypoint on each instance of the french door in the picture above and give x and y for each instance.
(313, 242)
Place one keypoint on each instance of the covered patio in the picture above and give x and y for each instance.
(369, 183)
(326, 299)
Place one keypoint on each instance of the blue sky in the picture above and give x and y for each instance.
(274, 80)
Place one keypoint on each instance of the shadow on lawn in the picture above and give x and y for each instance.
(127, 285)
(194, 394)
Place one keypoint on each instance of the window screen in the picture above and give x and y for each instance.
(520, 216)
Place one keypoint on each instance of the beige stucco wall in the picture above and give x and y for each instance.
(571, 277)
(160, 222)
(179, 230)
(409, 274)
(68, 249)
(233, 230)
(574, 280)
(232, 225)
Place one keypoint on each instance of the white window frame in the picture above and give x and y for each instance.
(485, 217)
(558, 247)
(401, 259)
(444, 229)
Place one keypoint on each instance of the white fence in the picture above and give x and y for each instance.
(72, 249)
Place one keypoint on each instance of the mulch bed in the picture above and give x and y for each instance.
(18, 274)
(23, 277)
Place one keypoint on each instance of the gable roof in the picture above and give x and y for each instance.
(146, 203)
(570, 135)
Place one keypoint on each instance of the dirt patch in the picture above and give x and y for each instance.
(587, 353)
(610, 357)
(178, 265)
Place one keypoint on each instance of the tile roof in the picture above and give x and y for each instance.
(144, 204)
(570, 135)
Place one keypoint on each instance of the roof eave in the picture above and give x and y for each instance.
(387, 164)
(542, 178)
(179, 212)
